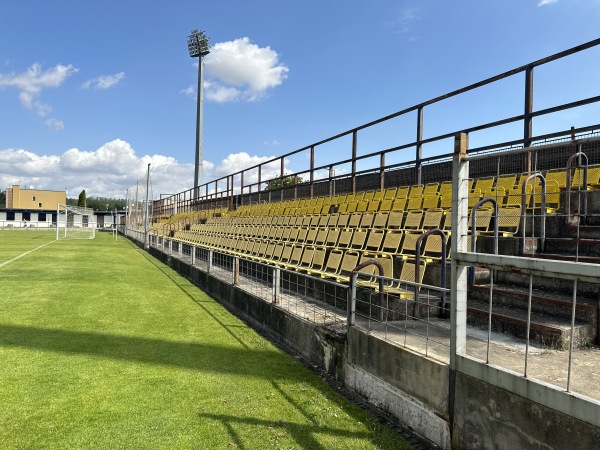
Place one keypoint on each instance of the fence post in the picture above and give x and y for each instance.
(276, 281)
(236, 270)
(193, 255)
(352, 301)
(170, 247)
(460, 217)
(209, 263)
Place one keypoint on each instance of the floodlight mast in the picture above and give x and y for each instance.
(198, 47)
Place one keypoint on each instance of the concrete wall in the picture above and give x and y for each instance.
(490, 417)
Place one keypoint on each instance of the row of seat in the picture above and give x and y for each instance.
(324, 262)
(396, 242)
(508, 219)
(506, 189)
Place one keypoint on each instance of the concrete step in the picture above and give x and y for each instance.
(553, 304)
(586, 291)
(567, 257)
(569, 245)
(548, 331)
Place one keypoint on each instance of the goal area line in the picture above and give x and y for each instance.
(25, 254)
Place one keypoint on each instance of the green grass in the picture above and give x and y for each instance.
(104, 347)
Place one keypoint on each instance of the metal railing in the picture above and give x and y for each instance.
(254, 185)
(413, 323)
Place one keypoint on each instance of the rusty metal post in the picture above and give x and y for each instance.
(241, 188)
(236, 270)
(354, 153)
(281, 172)
(276, 285)
(312, 171)
(382, 171)
(527, 116)
(210, 261)
(419, 147)
(260, 182)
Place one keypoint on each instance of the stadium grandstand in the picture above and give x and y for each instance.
(451, 280)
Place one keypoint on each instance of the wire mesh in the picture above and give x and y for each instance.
(409, 315)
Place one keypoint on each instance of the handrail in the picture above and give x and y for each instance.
(443, 263)
(582, 196)
(524, 209)
(474, 231)
(352, 302)
(226, 186)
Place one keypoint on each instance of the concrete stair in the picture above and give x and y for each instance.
(551, 332)
(550, 318)
(551, 302)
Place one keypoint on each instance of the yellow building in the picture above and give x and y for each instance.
(34, 199)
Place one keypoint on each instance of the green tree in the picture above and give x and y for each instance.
(82, 200)
(284, 182)
(3, 199)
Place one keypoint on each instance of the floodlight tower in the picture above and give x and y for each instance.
(198, 46)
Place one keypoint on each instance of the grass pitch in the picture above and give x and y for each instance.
(104, 347)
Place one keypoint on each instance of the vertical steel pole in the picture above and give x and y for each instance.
(276, 285)
(352, 303)
(146, 222)
(199, 130)
(282, 172)
(236, 270)
(259, 183)
(312, 170)
(354, 152)
(527, 115)
(419, 148)
(382, 172)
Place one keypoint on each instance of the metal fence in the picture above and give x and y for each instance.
(543, 295)
(372, 165)
(420, 325)
(418, 322)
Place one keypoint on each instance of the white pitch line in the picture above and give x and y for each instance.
(25, 254)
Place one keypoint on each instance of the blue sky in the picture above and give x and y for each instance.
(90, 92)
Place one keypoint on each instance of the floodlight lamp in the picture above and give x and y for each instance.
(198, 44)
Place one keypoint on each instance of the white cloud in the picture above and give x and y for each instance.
(33, 81)
(115, 167)
(103, 81)
(55, 124)
(404, 23)
(240, 70)
(274, 143)
(190, 91)
(546, 2)
(219, 93)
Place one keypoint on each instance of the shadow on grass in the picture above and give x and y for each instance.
(203, 357)
(189, 290)
(302, 434)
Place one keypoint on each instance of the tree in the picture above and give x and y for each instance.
(284, 182)
(82, 201)
(3, 199)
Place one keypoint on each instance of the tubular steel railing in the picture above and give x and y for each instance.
(543, 211)
(235, 190)
(582, 163)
